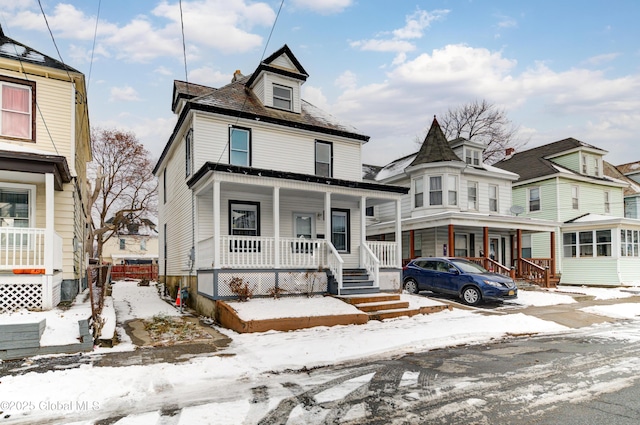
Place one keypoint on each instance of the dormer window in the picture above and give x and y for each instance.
(282, 97)
(472, 156)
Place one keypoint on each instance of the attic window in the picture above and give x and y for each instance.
(472, 156)
(282, 97)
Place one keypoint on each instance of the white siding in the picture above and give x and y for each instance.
(592, 271)
(274, 147)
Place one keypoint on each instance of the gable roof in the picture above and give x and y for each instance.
(435, 147)
(533, 163)
(629, 168)
(12, 49)
(187, 91)
(267, 65)
(614, 172)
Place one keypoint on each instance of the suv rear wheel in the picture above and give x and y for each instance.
(411, 286)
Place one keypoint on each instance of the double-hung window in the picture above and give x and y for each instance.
(493, 198)
(574, 197)
(17, 109)
(282, 96)
(240, 146)
(472, 157)
(472, 195)
(123, 244)
(534, 199)
(418, 192)
(452, 189)
(435, 190)
(324, 159)
(607, 202)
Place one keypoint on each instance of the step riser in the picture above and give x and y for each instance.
(388, 306)
(371, 299)
(357, 283)
(392, 314)
(356, 291)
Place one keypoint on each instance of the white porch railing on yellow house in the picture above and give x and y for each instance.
(23, 248)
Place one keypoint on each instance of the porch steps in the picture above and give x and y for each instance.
(381, 306)
(354, 281)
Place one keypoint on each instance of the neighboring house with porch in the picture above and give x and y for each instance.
(258, 185)
(565, 181)
(458, 206)
(44, 149)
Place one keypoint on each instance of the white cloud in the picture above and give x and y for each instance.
(347, 80)
(207, 76)
(507, 22)
(600, 59)
(323, 6)
(414, 28)
(123, 94)
(163, 70)
(315, 96)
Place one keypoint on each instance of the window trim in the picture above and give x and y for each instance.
(249, 145)
(274, 96)
(256, 204)
(496, 199)
(472, 156)
(416, 193)
(188, 154)
(538, 199)
(32, 87)
(472, 185)
(436, 191)
(347, 213)
(316, 161)
(452, 178)
(575, 200)
(32, 196)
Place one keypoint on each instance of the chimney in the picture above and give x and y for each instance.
(509, 152)
(236, 76)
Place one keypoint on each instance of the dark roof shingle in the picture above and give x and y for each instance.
(435, 147)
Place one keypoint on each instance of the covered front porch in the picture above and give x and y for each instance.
(494, 242)
(31, 251)
(284, 233)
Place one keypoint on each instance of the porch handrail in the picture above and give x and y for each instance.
(529, 270)
(500, 268)
(22, 248)
(335, 263)
(371, 263)
(385, 251)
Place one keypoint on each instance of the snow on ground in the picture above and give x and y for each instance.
(61, 324)
(269, 308)
(541, 298)
(258, 353)
(616, 311)
(599, 293)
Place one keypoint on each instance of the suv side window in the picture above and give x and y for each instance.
(443, 267)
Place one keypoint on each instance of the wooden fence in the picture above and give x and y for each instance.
(134, 271)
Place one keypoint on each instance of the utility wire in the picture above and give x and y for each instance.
(93, 47)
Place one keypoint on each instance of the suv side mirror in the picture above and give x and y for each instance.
(453, 270)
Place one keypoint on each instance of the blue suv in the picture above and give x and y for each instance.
(457, 276)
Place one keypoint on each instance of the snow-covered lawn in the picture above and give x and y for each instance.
(541, 298)
(616, 311)
(600, 293)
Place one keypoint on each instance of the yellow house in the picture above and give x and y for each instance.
(44, 149)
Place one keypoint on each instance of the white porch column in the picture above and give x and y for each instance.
(276, 226)
(49, 250)
(363, 227)
(216, 224)
(327, 217)
(399, 233)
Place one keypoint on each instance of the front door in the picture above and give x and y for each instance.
(494, 249)
(304, 225)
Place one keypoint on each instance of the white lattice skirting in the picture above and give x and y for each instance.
(16, 296)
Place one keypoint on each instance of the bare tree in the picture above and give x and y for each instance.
(122, 188)
(483, 122)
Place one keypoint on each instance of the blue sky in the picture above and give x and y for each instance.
(558, 68)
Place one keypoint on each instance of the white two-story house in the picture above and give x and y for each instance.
(44, 149)
(259, 186)
(566, 181)
(459, 206)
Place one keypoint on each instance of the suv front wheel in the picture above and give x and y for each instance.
(471, 295)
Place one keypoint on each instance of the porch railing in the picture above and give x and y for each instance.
(23, 248)
(302, 253)
(530, 270)
(386, 252)
(493, 265)
(371, 263)
(247, 251)
(335, 263)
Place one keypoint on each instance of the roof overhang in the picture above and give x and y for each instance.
(27, 162)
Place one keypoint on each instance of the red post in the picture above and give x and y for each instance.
(553, 254)
(450, 248)
(485, 246)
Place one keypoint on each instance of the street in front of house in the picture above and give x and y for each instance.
(423, 368)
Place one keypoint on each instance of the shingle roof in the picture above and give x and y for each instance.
(237, 100)
(532, 163)
(615, 172)
(435, 147)
(629, 168)
(12, 49)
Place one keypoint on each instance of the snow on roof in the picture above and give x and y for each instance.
(395, 168)
(592, 217)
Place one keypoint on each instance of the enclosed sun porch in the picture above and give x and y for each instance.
(286, 234)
